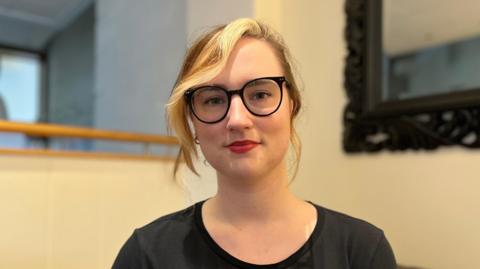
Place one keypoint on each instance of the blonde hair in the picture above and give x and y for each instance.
(204, 60)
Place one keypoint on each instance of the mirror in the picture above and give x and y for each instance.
(430, 51)
(412, 75)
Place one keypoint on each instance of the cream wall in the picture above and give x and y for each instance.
(201, 15)
(427, 203)
(77, 213)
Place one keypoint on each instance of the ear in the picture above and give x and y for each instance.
(191, 125)
(291, 105)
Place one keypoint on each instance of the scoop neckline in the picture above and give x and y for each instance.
(246, 265)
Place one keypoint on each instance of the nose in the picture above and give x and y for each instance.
(238, 116)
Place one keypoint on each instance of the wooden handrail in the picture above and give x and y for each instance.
(85, 154)
(54, 130)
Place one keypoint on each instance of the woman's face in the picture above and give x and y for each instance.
(243, 145)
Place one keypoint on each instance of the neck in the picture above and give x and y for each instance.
(260, 199)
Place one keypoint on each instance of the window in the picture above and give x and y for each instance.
(20, 85)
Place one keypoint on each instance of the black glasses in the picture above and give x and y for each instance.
(261, 97)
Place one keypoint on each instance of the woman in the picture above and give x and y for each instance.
(236, 97)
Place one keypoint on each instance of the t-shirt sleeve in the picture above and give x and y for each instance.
(383, 257)
(131, 255)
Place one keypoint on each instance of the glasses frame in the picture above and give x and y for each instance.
(230, 93)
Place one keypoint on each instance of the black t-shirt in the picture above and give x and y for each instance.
(180, 241)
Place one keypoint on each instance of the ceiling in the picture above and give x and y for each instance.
(415, 24)
(29, 24)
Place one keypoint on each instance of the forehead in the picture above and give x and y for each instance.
(251, 58)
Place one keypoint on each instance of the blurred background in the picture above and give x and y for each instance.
(111, 65)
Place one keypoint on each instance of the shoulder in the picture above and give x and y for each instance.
(168, 232)
(347, 225)
(362, 243)
(176, 221)
(161, 239)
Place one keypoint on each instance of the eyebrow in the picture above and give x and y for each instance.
(226, 88)
(218, 85)
(256, 82)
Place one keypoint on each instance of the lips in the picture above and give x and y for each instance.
(242, 146)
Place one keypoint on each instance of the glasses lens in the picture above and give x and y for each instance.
(210, 103)
(262, 96)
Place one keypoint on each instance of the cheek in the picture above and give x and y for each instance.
(200, 130)
(285, 127)
(205, 132)
(284, 115)
(278, 128)
(209, 136)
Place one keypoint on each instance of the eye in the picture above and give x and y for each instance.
(216, 100)
(210, 97)
(259, 94)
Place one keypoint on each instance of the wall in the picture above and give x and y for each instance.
(426, 203)
(71, 72)
(139, 48)
(201, 15)
(77, 213)
(70, 78)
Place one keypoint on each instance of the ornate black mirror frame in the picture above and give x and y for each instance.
(372, 125)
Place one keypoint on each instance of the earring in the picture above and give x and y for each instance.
(205, 162)
(196, 140)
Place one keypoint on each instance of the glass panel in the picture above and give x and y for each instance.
(20, 75)
(430, 51)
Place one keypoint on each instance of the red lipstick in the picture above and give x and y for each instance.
(242, 146)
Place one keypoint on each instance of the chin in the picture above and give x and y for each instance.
(239, 170)
(244, 173)
(245, 166)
